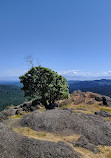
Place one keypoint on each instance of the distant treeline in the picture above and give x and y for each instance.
(97, 86)
(10, 94)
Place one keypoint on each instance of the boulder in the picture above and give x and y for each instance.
(26, 106)
(7, 113)
(30, 106)
(8, 143)
(94, 128)
(19, 112)
(99, 98)
(13, 145)
(103, 113)
(45, 149)
(91, 101)
(106, 101)
(84, 143)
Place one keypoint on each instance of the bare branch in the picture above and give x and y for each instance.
(29, 60)
(38, 62)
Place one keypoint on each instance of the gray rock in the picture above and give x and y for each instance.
(81, 109)
(13, 145)
(67, 109)
(83, 142)
(8, 143)
(99, 98)
(103, 113)
(106, 101)
(26, 106)
(91, 102)
(19, 112)
(44, 149)
(6, 114)
(94, 128)
(30, 106)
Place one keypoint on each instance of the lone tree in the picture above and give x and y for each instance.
(44, 85)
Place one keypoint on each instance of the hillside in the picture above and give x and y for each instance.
(97, 86)
(10, 94)
(79, 128)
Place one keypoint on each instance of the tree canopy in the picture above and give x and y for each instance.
(45, 85)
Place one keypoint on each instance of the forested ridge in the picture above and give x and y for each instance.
(102, 87)
(10, 94)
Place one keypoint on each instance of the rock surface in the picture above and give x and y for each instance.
(8, 143)
(83, 142)
(103, 113)
(19, 110)
(6, 114)
(94, 128)
(105, 100)
(13, 145)
(78, 97)
(30, 106)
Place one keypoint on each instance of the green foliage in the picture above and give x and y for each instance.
(45, 85)
(10, 94)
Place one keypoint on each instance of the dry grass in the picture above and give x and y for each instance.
(105, 151)
(108, 109)
(18, 116)
(87, 108)
(42, 108)
(26, 131)
(84, 101)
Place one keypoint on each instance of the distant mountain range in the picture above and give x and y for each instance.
(16, 83)
(11, 93)
(70, 75)
(102, 86)
(84, 78)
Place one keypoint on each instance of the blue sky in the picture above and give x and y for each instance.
(68, 36)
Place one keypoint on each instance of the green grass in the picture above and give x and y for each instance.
(42, 109)
(18, 116)
(8, 107)
(107, 110)
(42, 135)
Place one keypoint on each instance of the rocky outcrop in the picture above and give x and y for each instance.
(104, 99)
(83, 142)
(30, 106)
(78, 97)
(6, 114)
(8, 143)
(44, 149)
(13, 145)
(96, 130)
(19, 110)
(103, 113)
